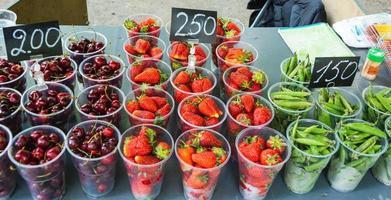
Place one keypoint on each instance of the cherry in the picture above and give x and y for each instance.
(23, 156)
(9, 102)
(108, 132)
(53, 152)
(102, 187)
(38, 153)
(9, 71)
(43, 141)
(100, 103)
(101, 69)
(3, 140)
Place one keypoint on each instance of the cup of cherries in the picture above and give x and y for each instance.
(7, 174)
(39, 156)
(10, 109)
(12, 75)
(93, 147)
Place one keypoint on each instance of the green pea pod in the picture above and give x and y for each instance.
(286, 97)
(384, 102)
(301, 105)
(366, 144)
(292, 93)
(293, 63)
(376, 104)
(316, 166)
(366, 128)
(342, 154)
(325, 118)
(345, 102)
(308, 141)
(356, 162)
(294, 129)
(286, 65)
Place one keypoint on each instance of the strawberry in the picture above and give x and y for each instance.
(156, 52)
(245, 71)
(132, 105)
(162, 150)
(199, 52)
(206, 139)
(141, 188)
(193, 119)
(232, 26)
(149, 75)
(148, 22)
(160, 101)
(276, 143)
(137, 146)
(147, 103)
(248, 102)
(209, 108)
(185, 152)
(154, 28)
(130, 49)
(239, 78)
(144, 114)
(131, 25)
(146, 160)
(142, 46)
(222, 51)
(205, 159)
(211, 121)
(149, 133)
(219, 31)
(201, 85)
(255, 87)
(261, 115)
(179, 51)
(250, 148)
(258, 77)
(189, 108)
(235, 107)
(179, 96)
(136, 69)
(244, 119)
(270, 157)
(163, 111)
(197, 181)
(220, 154)
(183, 77)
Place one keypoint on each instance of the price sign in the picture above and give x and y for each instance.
(334, 71)
(189, 24)
(30, 41)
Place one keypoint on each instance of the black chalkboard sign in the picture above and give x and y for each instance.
(189, 24)
(32, 41)
(334, 71)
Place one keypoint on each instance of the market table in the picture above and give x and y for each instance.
(272, 50)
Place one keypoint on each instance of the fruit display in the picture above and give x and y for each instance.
(361, 146)
(84, 44)
(242, 78)
(186, 82)
(102, 69)
(93, 147)
(145, 46)
(202, 153)
(143, 24)
(48, 106)
(12, 75)
(39, 156)
(201, 111)
(334, 105)
(145, 150)
(178, 53)
(382, 169)
(296, 69)
(377, 104)
(149, 105)
(235, 53)
(7, 174)
(261, 155)
(10, 108)
(102, 102)
(290, 101)
(313, 143)
(149, 72)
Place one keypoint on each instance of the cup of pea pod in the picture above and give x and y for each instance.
(361, 144)
(377, 104)
(297, 70)
(290, 101)
(335, 104)
(382, 169)
(313, 143)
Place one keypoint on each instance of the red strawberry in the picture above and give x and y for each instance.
(276, 143)
(239, 78)
(156, 52)
(144, 114)
(196, 181)
(209, 108)
(255, 87)
(136, 69)
(132, 105)
(142, 46)
(185, 152)
(141, 188)
(219, 31)
(149, 75)
(183, 77)
(250, 150)
(146, 160)
(199, 52)
(247, 102)
(153, 28)
(147, 103)
(205, 159)
(222, 51)
(220, 153)
(162, 150)
(179, 96)
(206, 139)
(245, 71)
(261, 115)
(211, 121)
(193, 119)
(270, 157)
(179, 51)
(244, 119)
(233, 26)
(163, 111)
(137, 146)
(130, 49)
(235, 107)
(189, 108)
(160, 101)
(201, 85)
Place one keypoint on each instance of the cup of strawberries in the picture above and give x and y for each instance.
(143, 24)
(201, 111)
(149, 105)
(179, 52)
(144, 46)
(187, 81)
(145, 150)
(261, 154)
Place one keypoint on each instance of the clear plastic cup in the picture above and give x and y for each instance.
(45, 181)
(223, 65)
(283, 117)
(97, 175)
(114, 117)
(57, 119)
(370, 113)
(229, 91)
(14, 120)
(147, 177)
(91, 35)
(303, 169)
(114, 81)
(154, 41)
(185, 125)
(256, 185)
(150, 62)
(138, 18)
(329, 118)
(175, 64)
(179, 94)
(286, 78)
(151, 92)
(7, 171)
(69, 81)
(212, 174)
(18, 83)
(342, 175)
(7, 19)
(382, 169)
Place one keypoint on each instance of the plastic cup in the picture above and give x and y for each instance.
(79, 57)
(114, 81)
(18, 83)
(212, 174)
(341, 176)
(229, 91)
(331, 119)
(179, 94)
(150, 62)
(7, 19)
(138, 18)
(303, 169)
(283, 117)
(175, 64)
(382, 169)
(256, 185)
(69, 81)
(154, 41)
(14, 120)
(370, 113)
(150, 91)
(45, 181)
(223, 65)
(57, 119)
(7, 171)
(97, 175)
(114, 117)
(185, 125)
(148, 177)
(286, 78)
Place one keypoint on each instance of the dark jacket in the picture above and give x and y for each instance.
(289, 13)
